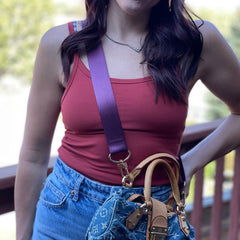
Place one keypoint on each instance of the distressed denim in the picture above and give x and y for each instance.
(69, 201)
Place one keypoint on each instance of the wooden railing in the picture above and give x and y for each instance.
(192, 135)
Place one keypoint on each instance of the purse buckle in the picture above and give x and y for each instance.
(158, 233)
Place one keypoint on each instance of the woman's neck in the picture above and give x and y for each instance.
(126, 27)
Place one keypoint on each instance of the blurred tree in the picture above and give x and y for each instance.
(216, 108)
(73, 10)
(222, 20)
(234, 38)
(22, 23)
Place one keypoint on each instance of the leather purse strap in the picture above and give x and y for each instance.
(157, 216)
(106, 101)
(157, 227)
(175, 194)
(172, 178)
(137, 170)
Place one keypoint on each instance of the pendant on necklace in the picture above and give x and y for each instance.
(138, 50)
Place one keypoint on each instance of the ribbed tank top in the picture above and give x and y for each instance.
(149, 126)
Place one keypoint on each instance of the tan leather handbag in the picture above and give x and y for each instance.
(158, 212)
(141, 217)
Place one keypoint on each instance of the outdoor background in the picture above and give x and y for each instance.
(23, 22)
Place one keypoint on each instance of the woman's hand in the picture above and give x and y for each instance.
(189, 171)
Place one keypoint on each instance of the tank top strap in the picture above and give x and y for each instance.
(72, 27)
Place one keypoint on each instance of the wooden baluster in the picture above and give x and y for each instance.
(216, 212)
(196, 218)
(235, 200)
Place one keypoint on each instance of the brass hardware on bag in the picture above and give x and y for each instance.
(182, 220)
(158, 233)
(146, 207)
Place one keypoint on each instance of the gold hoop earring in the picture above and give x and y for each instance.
(170, 5)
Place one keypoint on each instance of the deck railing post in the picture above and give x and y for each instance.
(216, 212)
(197, 216)
(235, 200)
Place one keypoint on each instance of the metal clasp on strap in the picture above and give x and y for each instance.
(126, 181)
(122, 165)
(121, 160)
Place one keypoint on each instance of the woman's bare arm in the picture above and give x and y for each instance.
(42, 114)
(219, 70)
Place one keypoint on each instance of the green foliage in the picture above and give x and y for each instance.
(234, 37)
(190, 197)
(229, 161)
(209, 174)
(72, 10)
(216, 108)
(209, 170)
(22, 23)
(222, 20)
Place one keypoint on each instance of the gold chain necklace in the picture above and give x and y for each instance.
(138, 50)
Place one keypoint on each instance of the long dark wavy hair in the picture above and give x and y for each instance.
(171, 49)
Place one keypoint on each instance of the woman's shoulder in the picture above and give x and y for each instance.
(53, 38)
(213, 40)
(49, 49)
(213, 44)
(209, 32)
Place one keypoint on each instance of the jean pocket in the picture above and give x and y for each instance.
(54, 194)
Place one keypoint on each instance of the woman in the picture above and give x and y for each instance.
(155, 54)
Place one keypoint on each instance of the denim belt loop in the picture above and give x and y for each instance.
(76, 188)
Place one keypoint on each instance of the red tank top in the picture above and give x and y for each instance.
(149, 127)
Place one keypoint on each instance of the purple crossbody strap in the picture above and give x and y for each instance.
(106, 101)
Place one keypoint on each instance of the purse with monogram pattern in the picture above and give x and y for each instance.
(126, 215)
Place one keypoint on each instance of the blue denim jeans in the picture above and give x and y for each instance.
(69, 200)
